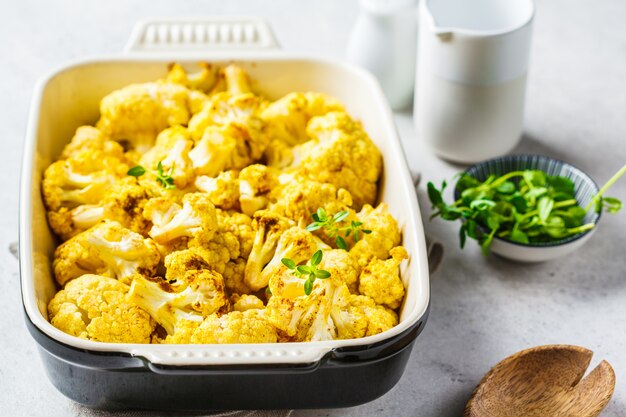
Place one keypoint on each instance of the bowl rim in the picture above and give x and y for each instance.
(586, 177)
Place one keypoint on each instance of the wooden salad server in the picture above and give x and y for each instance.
(544, 381)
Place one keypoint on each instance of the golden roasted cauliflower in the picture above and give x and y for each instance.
(107, 249)
(191, 296)
(381, 281)
(176, 226)
(138, 112)
(199, 211)
(123, 201)
(97, 308)
(343, 155)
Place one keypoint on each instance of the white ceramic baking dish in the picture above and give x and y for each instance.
(68, 97)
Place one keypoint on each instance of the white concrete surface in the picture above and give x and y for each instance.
(482, 309)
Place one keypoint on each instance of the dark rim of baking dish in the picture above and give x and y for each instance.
(540, 160)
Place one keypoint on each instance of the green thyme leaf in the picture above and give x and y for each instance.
(309, 271)
(316, 258)
(304, 269)
(322, 274)
(341, 243)
(288, 263)
(136, 171)
(334, 226)
(340, 216)
(314, 226)
(308, 286)
(165, 180)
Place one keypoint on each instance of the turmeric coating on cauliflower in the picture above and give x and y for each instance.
(138, 112)
(192, 296)
(96, 308)
(298, 199)
(106, 249)
(385, 234)
(174, 225)
(171, 149)
(380, 279)
(223, 190)
(344, 156)
(183, 215)
(123, 201)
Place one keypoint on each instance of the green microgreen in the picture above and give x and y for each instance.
(164, 179)
(333, 228)
(522, 206)
(309, 270)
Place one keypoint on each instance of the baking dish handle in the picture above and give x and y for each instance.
(201, 34)
(166, 358)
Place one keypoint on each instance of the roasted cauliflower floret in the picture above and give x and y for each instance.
(123, 202)
(236, 226)
(250, 326)
(286, 118)
(234, 277)
(183, 331)
(343, 268)
(96, 308)
(304, 318)
(217, 151)
(172, 151)
(255, 184)
(89, 138)
(246, 302)
(279, 154)
(385, 234)
(202, 80)
(379, 318)
(106, 249)
(381, 281)
(297, 200)
(268, 229)
(241, 113)
(343, 155)
(193, 296)
(138, 112)
(350, 321)
(177, 226)
(214, 253)
(223, 190)
(179, 262)
(236, 80)
(66, 185)
(298, 245)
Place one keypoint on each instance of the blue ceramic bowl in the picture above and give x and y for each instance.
(585, 189)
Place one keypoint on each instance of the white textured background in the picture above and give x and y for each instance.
(482, 309)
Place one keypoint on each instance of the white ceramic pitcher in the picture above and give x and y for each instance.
(471, 76)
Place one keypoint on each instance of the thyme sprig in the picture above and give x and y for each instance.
(333, 228)
(310, 270)
(164, 179)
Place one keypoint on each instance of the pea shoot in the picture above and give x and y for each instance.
(310, 271)
(522, 206)
(331, 226)
(165, 179)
